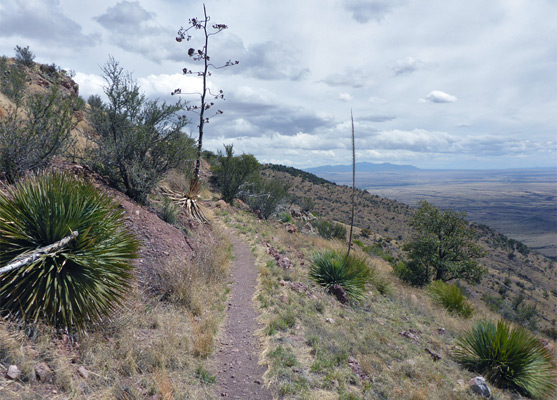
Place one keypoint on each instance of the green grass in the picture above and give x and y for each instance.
(79, 284)
(509, 357)
(451, 297)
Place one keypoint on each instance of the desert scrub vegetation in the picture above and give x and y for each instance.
(37, 126)
(138, 140)
(154, 347)
(443, 248)
(509, 357)
(231, 173)
(264, 196)
(317, 348)
(331, 269)
(451, 297)
(329, 230)
(79, 284)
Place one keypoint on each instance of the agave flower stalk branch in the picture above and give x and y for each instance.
(50, 249)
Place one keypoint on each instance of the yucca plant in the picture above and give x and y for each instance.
(509, 357)
(80, 283)
(451, 297)
(331, 268)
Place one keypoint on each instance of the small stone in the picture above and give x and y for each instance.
(13, 372)
(83, 372)
(435, 356)
(478, 386)
(330, 320)
(410, 335)
(441, 331)
(257, 382)
(43, 372)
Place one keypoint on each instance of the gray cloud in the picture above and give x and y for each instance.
(135, 29)
(273, 61)
(377, 118)
(127, 17)
(275, 118)
(365, 10)
(407, 65)
(44, 21)
(351, 77)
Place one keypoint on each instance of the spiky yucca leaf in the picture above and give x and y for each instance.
(84, 281)
(352, 273)
(509, 357)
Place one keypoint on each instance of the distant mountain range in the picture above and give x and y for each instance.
(362, 167)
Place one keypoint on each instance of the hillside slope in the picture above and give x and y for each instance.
(514, 270)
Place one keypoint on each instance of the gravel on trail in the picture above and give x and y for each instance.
(239, 375)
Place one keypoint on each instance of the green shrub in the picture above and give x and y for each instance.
(508, 357)
(24, 56)
(264, 195)
(331, 268)
(330, 230)
(169, 212)
(451, 297)
(285, 217)
(139, 140)
(35, 130)
(79, 284)
(231, 172)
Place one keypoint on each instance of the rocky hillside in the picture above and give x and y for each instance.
(515, 272)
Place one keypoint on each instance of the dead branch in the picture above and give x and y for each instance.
(20, 261)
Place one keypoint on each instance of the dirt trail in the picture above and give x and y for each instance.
(239, 376)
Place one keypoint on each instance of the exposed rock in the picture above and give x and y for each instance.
(13, 372)
(547, 344)
(441, 331)
(435, 356)
(291, 228)
(83, 372)
(409, 335)
(339, 292)
(221, 204)
(356, 368)
(282, 261)
(43, 372)
(478, 386)
(330, 320)
(284, 299)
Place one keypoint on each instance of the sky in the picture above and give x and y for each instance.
(431, 83)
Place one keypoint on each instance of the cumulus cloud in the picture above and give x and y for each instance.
(89, 84)
(346, 97)
(406, 66)
(367, 10)
(42, 20)
(437, 96)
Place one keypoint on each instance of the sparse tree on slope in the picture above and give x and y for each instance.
(140, 139)
(443, 249)
(231, 172)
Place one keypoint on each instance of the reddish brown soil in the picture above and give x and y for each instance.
(239, 375)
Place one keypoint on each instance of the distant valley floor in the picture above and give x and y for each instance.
(521, 204)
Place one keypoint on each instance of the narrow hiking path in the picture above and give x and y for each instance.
(239, 376)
